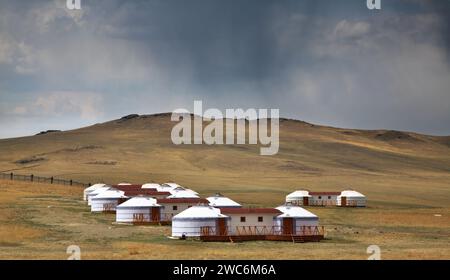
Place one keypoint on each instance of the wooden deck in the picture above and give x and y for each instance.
(155, 223)
(262, 233)
(242, 238)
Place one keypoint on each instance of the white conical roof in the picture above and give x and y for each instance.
(183, 194)
(199, 211)
(151, 186)
(139, 201)
(294, 212)
(110, 194)
(173, 185)
(222, 201)
(351, 193)
(94, 187)
(192, 191)
(100, 190)
(299, 193)
(181, 189)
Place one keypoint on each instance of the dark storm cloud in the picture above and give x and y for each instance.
(331, 62)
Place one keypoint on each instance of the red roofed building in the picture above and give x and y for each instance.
(146, 192)
(227, 211)
(173, 206)
(307, 198)
(242, 218)
(128, 187)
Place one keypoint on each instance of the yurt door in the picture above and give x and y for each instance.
(288, 224)
(155, 214)
(221, 226)
(305, 201)
(343, 201)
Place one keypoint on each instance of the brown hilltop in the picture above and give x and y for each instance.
(138, 148)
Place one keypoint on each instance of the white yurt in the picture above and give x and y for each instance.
(221, 201)
(151, 186)
(295, 219)
(193, 220)
(183, 194)
(351, 198)
(139, 209)
(107, 201)
(91, 189)
(95, 192)
(300, 197)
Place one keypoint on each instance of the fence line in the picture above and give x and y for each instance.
(39, 179)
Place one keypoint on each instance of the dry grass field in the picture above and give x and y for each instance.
(406, 178)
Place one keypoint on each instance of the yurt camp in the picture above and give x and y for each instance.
(92, 188)
(139, 210)
(107, 201)
(221, 201)
(295, 220)
(192, 221)
(350, 198)
(347, 198)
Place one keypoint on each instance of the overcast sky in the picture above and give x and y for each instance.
(326, 62)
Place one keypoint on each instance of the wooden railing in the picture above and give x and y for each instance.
(257, 230)
(141, 217)
(265, 230)
(108, 207)
(323, 203)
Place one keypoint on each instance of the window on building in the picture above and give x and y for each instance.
(174, 207)
(242, 219)
(320, 197)
(189, 206)
(260, 219)
(329, 197)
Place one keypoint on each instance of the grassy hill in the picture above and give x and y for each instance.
(386, 165)
(406, 177)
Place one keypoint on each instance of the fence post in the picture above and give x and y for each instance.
(32, 177)
(11, 176)
(51, 180)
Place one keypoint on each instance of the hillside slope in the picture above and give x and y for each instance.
(390, 166)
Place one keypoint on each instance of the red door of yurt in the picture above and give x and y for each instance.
(288, 225)
(221, 226)
(156, 214)
(305, 201)
(343, 201)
